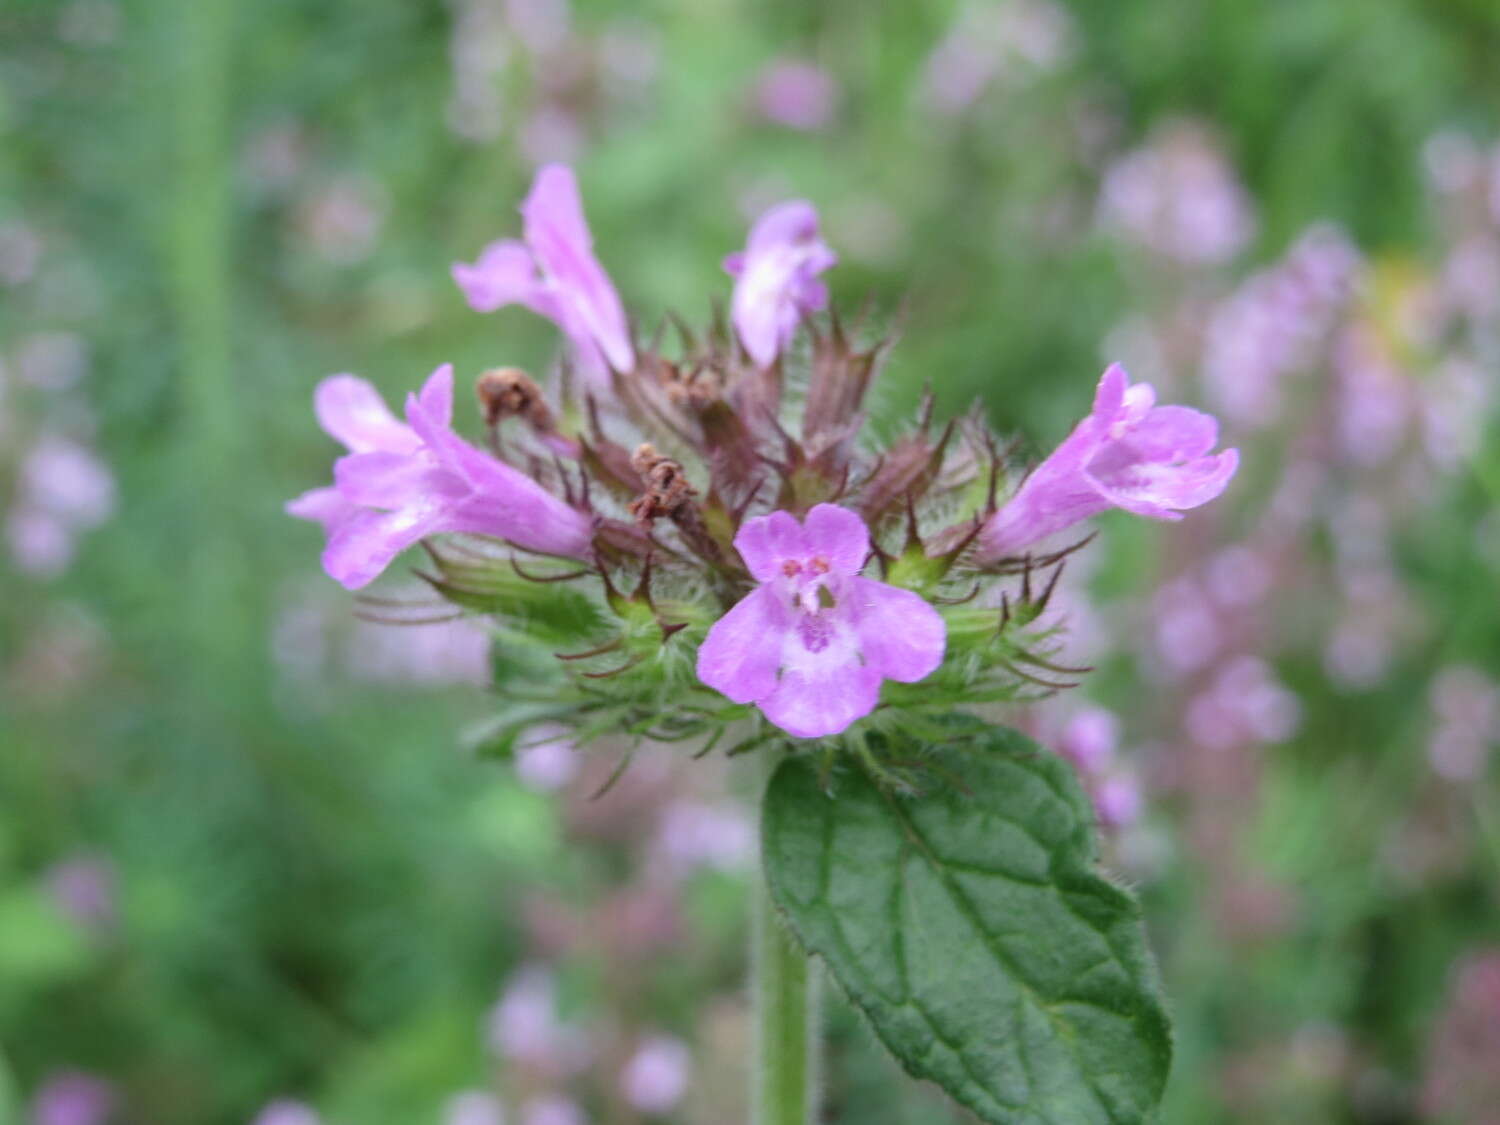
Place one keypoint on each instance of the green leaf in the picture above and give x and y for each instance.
(972, 929)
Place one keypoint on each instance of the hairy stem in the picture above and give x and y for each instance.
(784, 985)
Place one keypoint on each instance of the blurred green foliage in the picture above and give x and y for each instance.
(318, 891)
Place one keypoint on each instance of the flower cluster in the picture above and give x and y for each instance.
(708, 528)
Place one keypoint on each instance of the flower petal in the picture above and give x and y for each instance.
(822, 699)
(1173, 433)
(839, 535)
(365, 544)
(742, 652)
(436, 395)
(351, 411)
(776, 279)
(1109, 396)
(766, 541)
(1163, 491)
(325, 505)
(900, 635)
(394, 480)
(505, 273)
(558, 235)
(430, 413)
(528, 516)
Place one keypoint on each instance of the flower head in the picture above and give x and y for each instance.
(812, 643)
(554, 273)
(776, 278)
(1129, 453)
(402, 483)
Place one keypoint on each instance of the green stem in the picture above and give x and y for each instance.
(785, 1080)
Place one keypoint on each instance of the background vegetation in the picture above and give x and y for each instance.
(244, 855)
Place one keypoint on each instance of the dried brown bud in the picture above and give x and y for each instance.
(697, 388)
(667, 490)
(508, 392)
(669, 493)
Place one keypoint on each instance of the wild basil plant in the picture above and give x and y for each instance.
(699, 543)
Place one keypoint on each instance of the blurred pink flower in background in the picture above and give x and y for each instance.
(1466, 709)
(284, 1111)
(1452, 162)
(73, 1097)
(1118, 800)
(341, 220)
(275, 155)
(52, 361)
(656, 1077)
(630, 57)
(796, 93)
(1179, 197)
(1271, 326)
(40, 544)
(84, 888)
(546, 756)
(552, 1109)
(990, 44)
(1494, 186)
(1238, 577)
(1471, 276)
(694, 834)
(20, 253)
(1186, 629)
(63, 491)
(1090, 738)
(1376, 398)
(1455, 403)
(1244, 705)
(68, 480)
(1462, 1083)
(435, 655)
(473, 1107)
(552, 134)
(478, 50)
(524, 1027)
(542, 26)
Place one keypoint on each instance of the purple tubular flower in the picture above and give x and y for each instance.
(351, 411)
(812, 643)
(776, 278)
(402, 483)
(554, 273)
(1129, 453)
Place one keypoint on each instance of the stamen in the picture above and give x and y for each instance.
(818, 565)
(791, 568)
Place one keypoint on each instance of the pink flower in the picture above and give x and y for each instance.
(284, 1111)
(656, 1076)
(402, 483)
(552, 1109)
(1129, 453)
(73, 1098)
(473, 1107)
(797, 94)
(812, 643)
(1090, 738)
(554, 273)
(776, 278)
